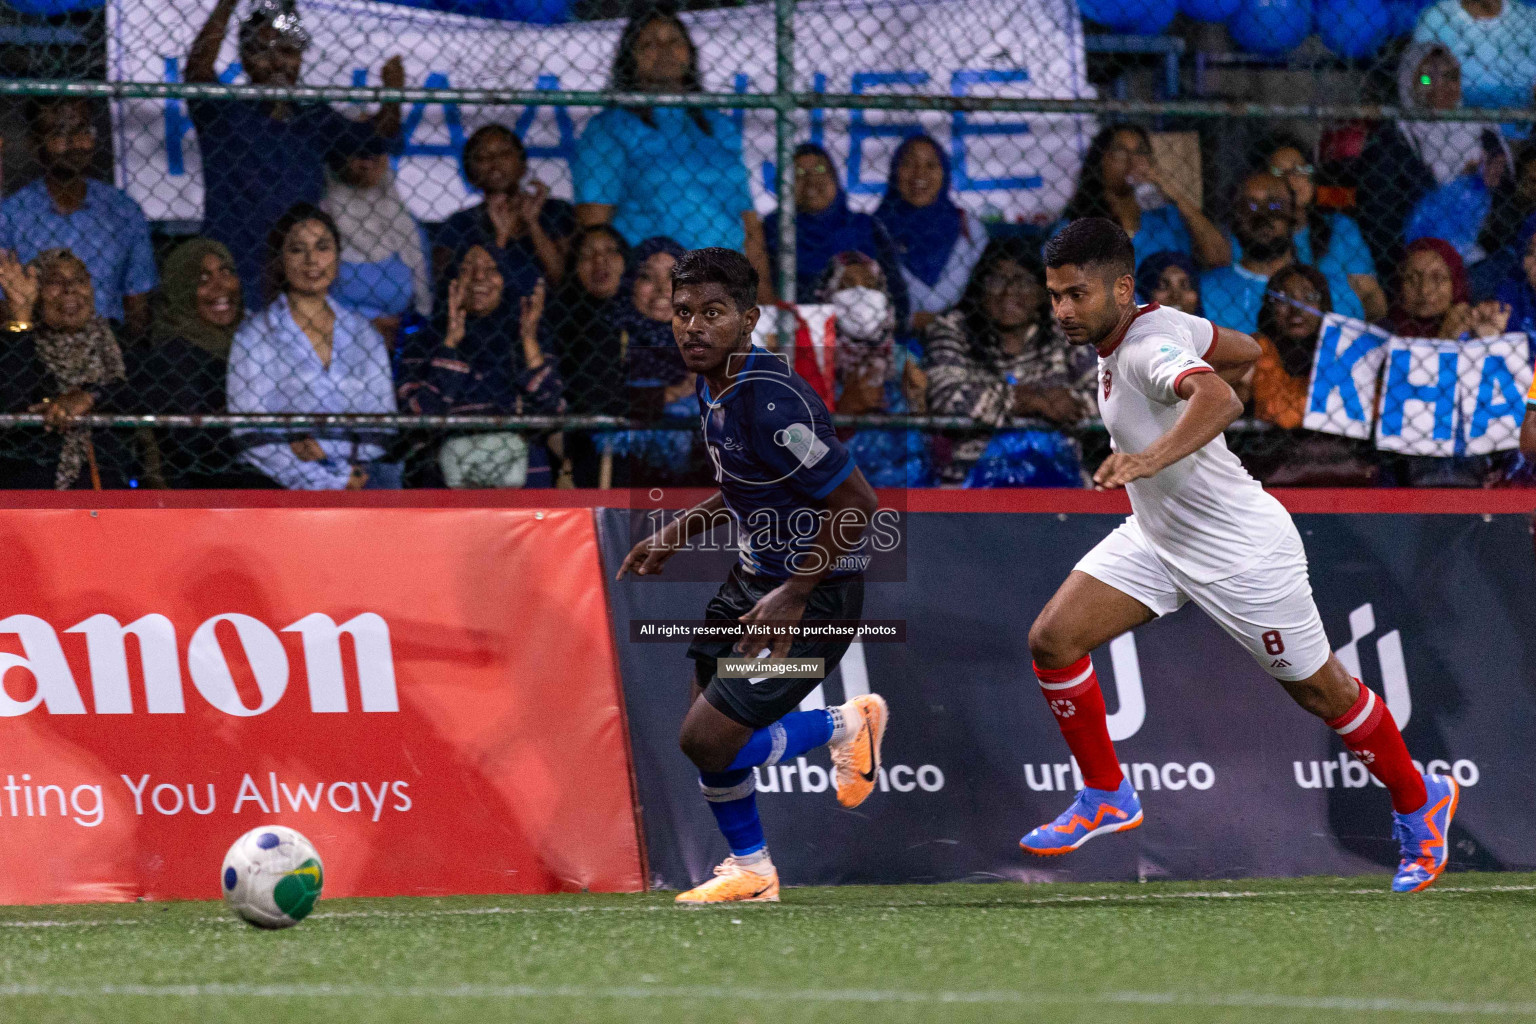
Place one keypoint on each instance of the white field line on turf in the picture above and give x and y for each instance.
(1247, 1000)
(784, 908)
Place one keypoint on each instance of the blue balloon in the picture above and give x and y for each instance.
(1140, 17)
(1405, 16)
(1353, 28)
(1210, 10)
(542, 12)
(1146, 17)
(48, 8)
(1271, 27)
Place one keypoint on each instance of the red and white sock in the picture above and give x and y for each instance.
(1371, 735)
(1078, 704)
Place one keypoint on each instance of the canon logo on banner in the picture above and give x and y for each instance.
(160, 664)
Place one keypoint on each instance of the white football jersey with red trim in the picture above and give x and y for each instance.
(1204, 515)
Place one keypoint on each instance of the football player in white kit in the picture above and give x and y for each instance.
(1203, 530)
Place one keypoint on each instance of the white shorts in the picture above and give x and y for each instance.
(1268, 609)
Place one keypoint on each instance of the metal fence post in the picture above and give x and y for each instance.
(784, 137)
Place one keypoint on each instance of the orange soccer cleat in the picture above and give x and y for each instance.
(856, 761)
(734, 883)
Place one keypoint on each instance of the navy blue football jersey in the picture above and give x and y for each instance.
(776, 458)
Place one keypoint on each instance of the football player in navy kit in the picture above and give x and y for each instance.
(801, 508)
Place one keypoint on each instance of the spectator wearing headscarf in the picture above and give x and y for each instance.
(1495, 41)
(1434, 301)
(486, 355)
(64, 364)
(657, 381)
(937, 243)
(826, 226)
(1170, 279)
(183, 368)
(582, 319)
(1401, 162)
(383, 274)
(1433, 297)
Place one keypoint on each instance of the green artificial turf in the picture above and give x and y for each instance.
(1322, 949)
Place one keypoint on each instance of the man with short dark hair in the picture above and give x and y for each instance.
(1203, 530)
(260, 157)
(801, 507)
(1263, 219)
(64, 208)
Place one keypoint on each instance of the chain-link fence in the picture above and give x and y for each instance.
(428, 244)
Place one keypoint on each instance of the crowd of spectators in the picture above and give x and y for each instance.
(313, 290)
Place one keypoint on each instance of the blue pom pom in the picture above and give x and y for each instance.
(1271, 27)
(267, 840)
(1353, 28)
(230, 878)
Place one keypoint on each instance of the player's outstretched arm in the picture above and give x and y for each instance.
(647, 557)
(849, 509)
(1211, 407)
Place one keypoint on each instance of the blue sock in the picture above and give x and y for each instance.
(732, 797)
(790, 736)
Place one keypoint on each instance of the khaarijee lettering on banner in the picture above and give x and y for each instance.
(947, 47)
(1419, 396)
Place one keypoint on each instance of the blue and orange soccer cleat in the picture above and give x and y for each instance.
(1094, 813)
(1423, 835)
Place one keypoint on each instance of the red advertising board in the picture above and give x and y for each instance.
(430, 695)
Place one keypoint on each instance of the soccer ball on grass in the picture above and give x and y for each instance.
(272, 877)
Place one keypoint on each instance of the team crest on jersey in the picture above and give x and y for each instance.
(1108, 379)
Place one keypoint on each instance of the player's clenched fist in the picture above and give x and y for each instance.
(1120, 469)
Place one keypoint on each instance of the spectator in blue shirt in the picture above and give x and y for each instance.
(261, 157)
(1495, 41)
(825, 227)
(526, 232)
(1120, 181)
(664, 171)
(305, 353)
(65, 209)
(1263, 220)
(1324, 239)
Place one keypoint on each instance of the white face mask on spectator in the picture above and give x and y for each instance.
(861, 312)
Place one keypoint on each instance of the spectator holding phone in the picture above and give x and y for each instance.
(262, 156)
(1120, 180)
(525, 231)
